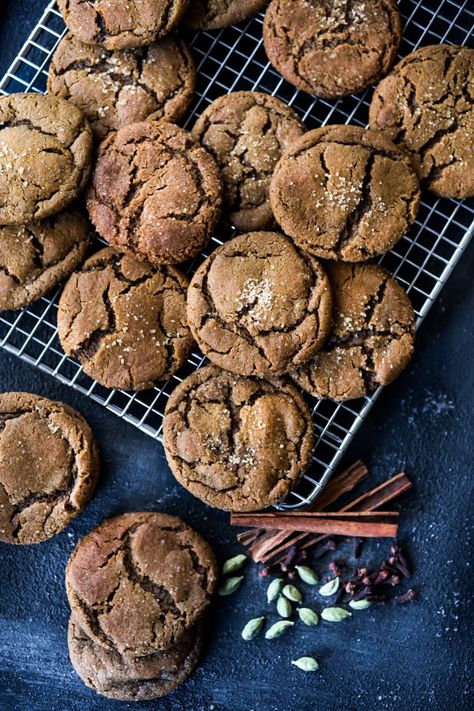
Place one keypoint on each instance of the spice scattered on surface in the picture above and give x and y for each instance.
(278, 629)
(308, 616)
(229, 586)
(306, 664)
(274, 589)
(335, 614)
(330, 587)
(283, 607)
(252, 628)
(233, 564)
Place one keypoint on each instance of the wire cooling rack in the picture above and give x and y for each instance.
(229, 60)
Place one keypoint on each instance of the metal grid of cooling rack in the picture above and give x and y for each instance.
(234, 59)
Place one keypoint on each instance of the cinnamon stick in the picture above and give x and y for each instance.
(371, 500)
(371, 524)
(339, 484)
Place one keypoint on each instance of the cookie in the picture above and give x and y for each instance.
(342, 192)
(34, 258)
(45, 156)
(125, 321)
(133, 678)
(115, 24)
(155, 192)
(425, 107)
(247, 132)
(372, 337)
(139, 581)
(48, 467)
(114, 89)
(332, 49)
(257, 306)
(214, 14)
(239, 444)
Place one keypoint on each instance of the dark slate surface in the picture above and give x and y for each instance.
(410, 658)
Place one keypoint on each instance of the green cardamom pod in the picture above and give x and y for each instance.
(230, 585)
(335, 614)
(274, 589)
(292, 593)
(284, 608)
(360, 604)
(329, 588)
(233, 564)
(252, 628)
(307, 574)
(307, 664)
(278, 628)
(308, 616)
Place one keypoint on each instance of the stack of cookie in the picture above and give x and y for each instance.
(138, 586)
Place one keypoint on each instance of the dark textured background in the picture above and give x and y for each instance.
(410, 658)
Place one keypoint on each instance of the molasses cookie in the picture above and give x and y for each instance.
(214, 14)
(116, 24)
(372, 337)
(425, 106)
(125, 678)
(155, 193)
(45, 156)
(34, 258)
(125, 321)
(342, 192)
(114, 89)
(247, 132)
(236, 443)
(139, 582)
(332, 49)
(257, 306)
(48, 467)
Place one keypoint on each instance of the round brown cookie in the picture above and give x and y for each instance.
(125, 321)
(45, 156)
(139, 581)
(425, 106)
(332, 49)
(372, 337)
(214, 14)
(256, 306)
(247, 132)
(133, 678)
(116, 24)
(155, 193)
(342, 192)
(49, 465)
(34, 258)
(237, 443)
(114, 89)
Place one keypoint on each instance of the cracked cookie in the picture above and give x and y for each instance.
(156, 192)
(125, 320)
(332, 49)
(35, 257)
(48, 467)
(114, 89)
(133, 678)
(372, 337)
(45, 156)
(425, 106)
(139, 581)
(239, 444)
(257, 306)
(342, 192)
(247, 133)
(116, 24)
(214, 14)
